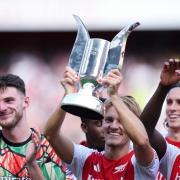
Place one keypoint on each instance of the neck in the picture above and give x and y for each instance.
(116, 152)
(91, 144)
(174, 134)
(19, 133)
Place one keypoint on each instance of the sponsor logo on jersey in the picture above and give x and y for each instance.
(96, 168)
(120, 168)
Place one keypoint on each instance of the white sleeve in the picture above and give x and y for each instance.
(146, 172)
(80, 155)
(166, 163)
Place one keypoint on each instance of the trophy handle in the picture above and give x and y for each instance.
(79, 45)
(117, 48)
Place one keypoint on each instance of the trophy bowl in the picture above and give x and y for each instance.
(88, 107)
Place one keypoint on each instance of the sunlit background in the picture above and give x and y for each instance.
(36, 38)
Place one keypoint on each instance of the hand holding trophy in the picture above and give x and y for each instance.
(91, 58)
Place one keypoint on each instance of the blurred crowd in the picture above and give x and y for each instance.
(42, 80)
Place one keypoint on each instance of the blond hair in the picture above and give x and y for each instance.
(129, 101)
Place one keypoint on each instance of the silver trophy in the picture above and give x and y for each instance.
(92, 58)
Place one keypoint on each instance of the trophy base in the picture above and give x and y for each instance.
(88, 107)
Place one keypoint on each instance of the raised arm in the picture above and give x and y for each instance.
(131, 123)
(34, 170)
(62, 145)
(151, 113)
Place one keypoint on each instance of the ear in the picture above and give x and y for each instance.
(26, 101)
(84, 127)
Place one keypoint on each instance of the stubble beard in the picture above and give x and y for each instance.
(11, 122)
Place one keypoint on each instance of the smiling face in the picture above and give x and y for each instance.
(12, 106)
(113, 130)
(173, 108)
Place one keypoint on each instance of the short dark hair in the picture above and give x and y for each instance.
(11, 80)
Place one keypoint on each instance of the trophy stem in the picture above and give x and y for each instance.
(87, 89)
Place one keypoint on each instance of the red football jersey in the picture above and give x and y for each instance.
(175, 143)
(89, 164)
(170, 163)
